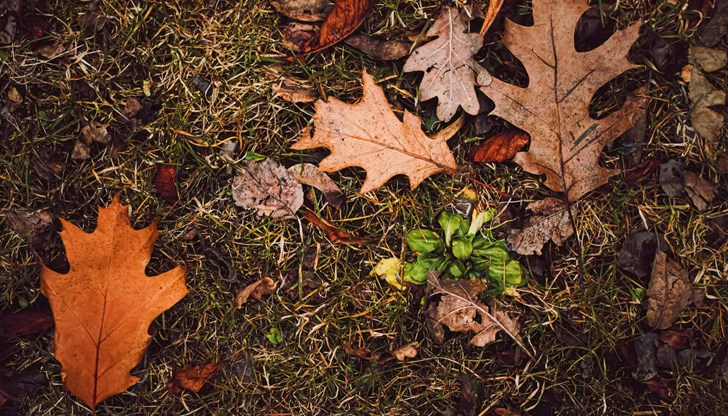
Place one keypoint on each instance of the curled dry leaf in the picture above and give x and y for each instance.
(501, 147)
(336, 235)
(164, 182)
(104, 305)
(566, 142)
(256, 290)
(268, 188)
(345, 17)
(309, 174)
(703, 95)
(15, 100)
(700, 191)
(95, 132)
(550, 223)
(670, 291)
(80, 151)
(193, 378)
(406, 351)
(370, 135)
(379, 49)
(448, 63)
(303, 10)
(460, 310)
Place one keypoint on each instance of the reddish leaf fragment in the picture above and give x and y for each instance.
(641, 171)
(192, 378)
(336, 235)
(501, 147)
(164, 182)
(677, 339)
(25, 322)
(657, 386)
(257, 290)
(344, 19)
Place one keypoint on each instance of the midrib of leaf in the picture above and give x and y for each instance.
(100, 338)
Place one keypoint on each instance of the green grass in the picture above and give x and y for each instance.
(578, 328)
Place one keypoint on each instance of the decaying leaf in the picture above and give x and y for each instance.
(34, 227)
(450, 70)
(566, 142)
(164, 182)
(406, 351)
(717, 27)
(104, 305)
(345, 17)
(369, 135)
(255, 290)
(460, 310)
(672, 178)
(336, 235)
(80, 151)
(646, 358)
(193, 378)
(550, 223)
(390, 270)
(703, 95)
(379, 49)
(309, 174)
(294, 90)
(638, 251)
(132, 107)
(268, 188)
(670, 291)
(95, 132)
(501, 147)
(25, 322)
(303, 10)
(700, 191)
(15, 100)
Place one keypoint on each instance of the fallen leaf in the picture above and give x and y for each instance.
(676, 338)
(460, 310)
(132, 108)
(646, 357)
(379, 49)
(359, 352)
(294, 90)
(550, 223)
(703, 95)
(25, 322)
(267, 187)
(50, 51)
(15, 100)
(638, 252)
(19, 386)
(303, 10)
(95, 132)
(164, 182)
(369, 135)
(336, 235)
(255, 290)
(700, 191)
(309, 174)
(715, 30)
(501, 147)
(33, 226)
(92, 19)
(448, 63)
(566, 142)
(80, 151)
(390, 270)
(193, 378)
(470, 392)
(345, 17)
(657, 386)
(708, 59)
(104, 305)
(670, 291)
(672, 178)
(406, 351)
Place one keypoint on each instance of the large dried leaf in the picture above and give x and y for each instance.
(450, 70)
(551, 222)
(460, 310)
(104, 305)
(268, 188)
(369, 135)
(670, 291)
(704, 95)
(566, 141)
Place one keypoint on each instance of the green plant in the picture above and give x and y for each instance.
(463, 250)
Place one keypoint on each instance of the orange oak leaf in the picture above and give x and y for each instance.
(104, 305)
(566, 142)
(369, 135)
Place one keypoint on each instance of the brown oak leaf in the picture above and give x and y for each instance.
(268, 188)
(551, 222)
(193, 378)
(566, 142)
(670, 291)
(369, 135)
(451, 71)
(104, 305)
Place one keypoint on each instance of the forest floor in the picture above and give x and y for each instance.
(201, 72)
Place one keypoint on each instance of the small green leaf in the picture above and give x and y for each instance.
(462, 248)
(506, 274)
(449, 223)
(253, 157)
(424, 241)
(415, 273)
(456, 269)
(274, 336)
(493, 252)
(430, 261)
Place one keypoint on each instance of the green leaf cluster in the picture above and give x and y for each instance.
(461, 250)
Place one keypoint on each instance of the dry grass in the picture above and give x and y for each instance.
(577, 327)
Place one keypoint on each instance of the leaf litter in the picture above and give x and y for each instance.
(267, 188)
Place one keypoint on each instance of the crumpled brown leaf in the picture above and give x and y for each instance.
(460, 310)
(379, 49)
(255, 290)
(268, 188)
(566, 142)
(670, 291)
(370, 135)
(550, 223)
(165, 182)
(193, 378)
(449, 66)
(707, 122)
(501, 147)
(304, 10)
(309, 174)
(700, 191)
(406, 351)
